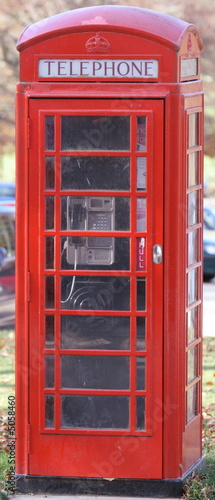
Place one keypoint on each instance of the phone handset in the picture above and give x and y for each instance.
(92, 213)
(77, 214)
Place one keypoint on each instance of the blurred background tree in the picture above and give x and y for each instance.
(15, 15)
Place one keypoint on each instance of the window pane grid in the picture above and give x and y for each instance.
(194, 224)
(54, 404)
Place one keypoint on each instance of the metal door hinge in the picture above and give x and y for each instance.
(157, 254)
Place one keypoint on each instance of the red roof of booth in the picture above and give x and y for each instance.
(161, 28)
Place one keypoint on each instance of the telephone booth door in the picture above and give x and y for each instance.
(95, 296)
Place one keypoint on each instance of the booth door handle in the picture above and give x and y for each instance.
(157, 254)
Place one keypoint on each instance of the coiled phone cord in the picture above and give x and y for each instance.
(74, 277)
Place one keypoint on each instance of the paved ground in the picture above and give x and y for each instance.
(67, 497)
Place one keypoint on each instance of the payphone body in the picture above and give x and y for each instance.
(109, 255)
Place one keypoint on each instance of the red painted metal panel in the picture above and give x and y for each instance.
(176, 432)
(192, 442)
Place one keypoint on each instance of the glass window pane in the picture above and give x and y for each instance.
(192, 286)
(49, 252)
(141, 373)
(95, 332)
(193, 208)
(49, 292)
(192, 320)
(95, 412)
(192, 247)
(193, 169)
(141, 333)
(49, 332)
(49, 133)
(140, 413)
(192, 363)
(192, 402)
(108, 133)
(193, 130)
(141, 214)
(96, 293)
(141, 133)
(49, 370)
(49, 172)
(49, 411)
(141, 294)
(141, 173)
(95, 172)
(95, 213)
(49, 216)
(95, 372)
(96, 253)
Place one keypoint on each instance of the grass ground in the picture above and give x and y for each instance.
(7, 381)
(198, 488)
(208, 392)
(202, 487)
(7, 377)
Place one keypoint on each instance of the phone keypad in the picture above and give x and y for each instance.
(99, 222)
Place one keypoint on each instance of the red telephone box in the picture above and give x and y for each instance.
(109, 257)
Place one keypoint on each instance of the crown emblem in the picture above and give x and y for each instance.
(97, 44)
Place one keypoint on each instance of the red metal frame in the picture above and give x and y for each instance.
(36, 299)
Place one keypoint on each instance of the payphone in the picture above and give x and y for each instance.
(109, 175)
(95, 214)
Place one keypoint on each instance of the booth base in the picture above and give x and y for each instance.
(164, 488)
